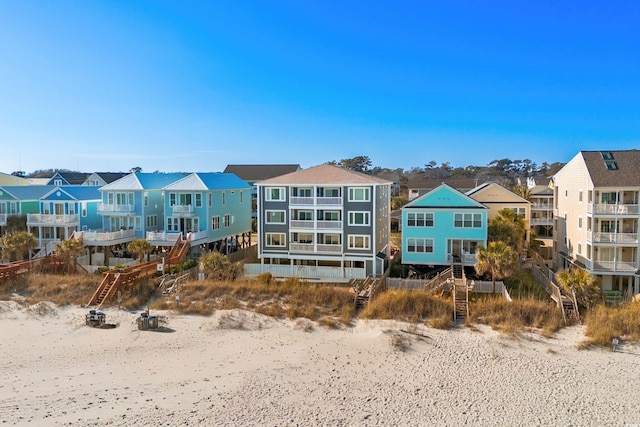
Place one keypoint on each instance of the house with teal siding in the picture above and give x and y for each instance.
(212, 208)
(19, 200)
(443, 227)
(64, 210)
(131, 207)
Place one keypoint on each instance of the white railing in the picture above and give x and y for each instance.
(116, 208)
(330, 225)
(3, 219)
(301, 247)
(486, 286)
(105, 236)
(541, 221)
(299, 223)
(542, 206)
(186, 209)
(305, 271)
(197, 235)
(612, 209)
(301, 201)
(465, 259)
(162, 236)
(613, 266)
(623, 238)
(52, 219)
(329, 201)
(330, 248)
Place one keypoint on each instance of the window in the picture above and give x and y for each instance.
(305, 215)
(579, 222)
(331, 192)
(302, 192)
(152, 221)
(579, 248)
(303, 237)
(172, 224)
(83, 206)
(359, 194)
(358, 242)
(358, 218)
(580, 196)
(224, 198)
(198, 200)
(420, 219)
(57, 182)
(275, 217)
(241, 194)
(467, 220)
(210, 197)
(227, 220)
(274, 194)
(215, 223)
(172, 199)
(420, 245)
(330, 215)
(330, 239)
(146, 199)
(275, 239)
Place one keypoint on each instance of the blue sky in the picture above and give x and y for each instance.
(196, 85)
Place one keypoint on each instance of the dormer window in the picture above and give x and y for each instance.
(611, 165)
(607, 155)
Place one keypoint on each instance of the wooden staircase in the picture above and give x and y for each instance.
(460, 293)
(364, 290)
(117, 279)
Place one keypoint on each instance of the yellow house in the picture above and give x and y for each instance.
(6, 179)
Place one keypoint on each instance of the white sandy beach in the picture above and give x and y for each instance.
(239, 368)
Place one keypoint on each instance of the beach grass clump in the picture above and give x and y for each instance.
(603, 323)
(513, 317)
(521, 285)
(410, 306)
(291, 298)
(59, 289)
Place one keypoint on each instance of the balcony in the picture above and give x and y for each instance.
(311, 225)
(299, 223)
(612, 209)
(310, 247)
(302, 201)
(541, 221)
(182, 211)
(49, 219)
(106, 238)
(612, 266)
(330, 225)
(541, 206)
(116, 209)
(618, 238)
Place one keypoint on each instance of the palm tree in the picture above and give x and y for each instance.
(522, 190)
(497, 259)
(509, 228)
(140, 248)
(16, 245)
(69, 250)
(586, 287)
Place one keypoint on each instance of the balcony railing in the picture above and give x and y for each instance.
(619, 238)
(464, 259)
(329, 201)
(105, 236)
(309, 224)
(612, 209)
(541, 221)
(310, 247)
(114, 208)
(622, 266)
(301, 201)
(542, 206)
(49, 219)
(182, 210)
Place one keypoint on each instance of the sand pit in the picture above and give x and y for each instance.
(241, 368)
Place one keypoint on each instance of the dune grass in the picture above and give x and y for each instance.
(513, 317)
(605, 322)
(59, 289)
(411, 306)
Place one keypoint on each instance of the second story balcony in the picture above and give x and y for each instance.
(116, 209)
(612, 209)
(183, 210)
(311, 201)
(618, 238)
(312, 225)
(542, 221)
(51, 219)
(315, 248)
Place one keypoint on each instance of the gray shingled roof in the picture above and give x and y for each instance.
(325, 174)
(254, 173)
(627, 173)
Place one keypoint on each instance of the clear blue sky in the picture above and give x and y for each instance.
(196, 85)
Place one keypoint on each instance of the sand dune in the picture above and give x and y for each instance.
(240, 368)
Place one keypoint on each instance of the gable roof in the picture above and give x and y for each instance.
(208, 181)
(326, 174)
(444, 196)
(462, 184)
(143, 181)
(260, 172)
(491, 189)
(626, 174)
(76, 192)
(71, 178)
(26, 192)
(109, 177)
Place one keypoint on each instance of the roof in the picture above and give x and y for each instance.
(26, 192)
(78, 192)
(326, 174)
(143, 181)
(255, 173)
(208, 181)
(462, 184)
(489, 190)
(109, 177)
(444, 197)
(626, 163)
(73, 178)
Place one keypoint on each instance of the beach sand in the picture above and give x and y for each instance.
(240, 368)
